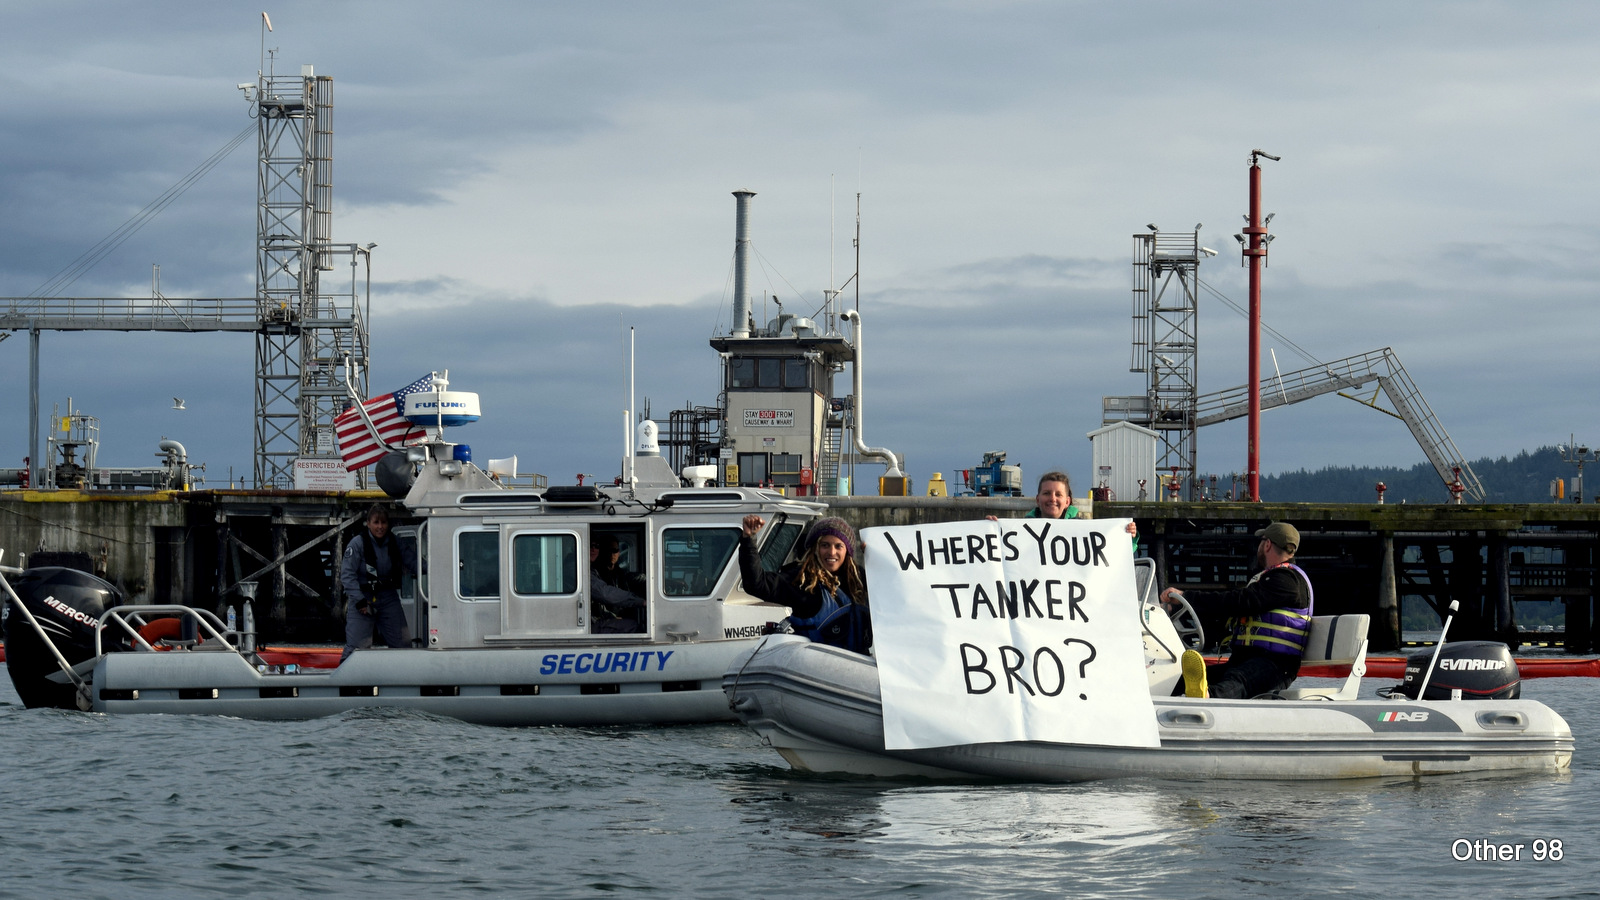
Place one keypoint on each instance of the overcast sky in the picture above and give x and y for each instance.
(538, 176)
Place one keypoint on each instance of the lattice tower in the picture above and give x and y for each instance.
(309, 328)
(1166, 268)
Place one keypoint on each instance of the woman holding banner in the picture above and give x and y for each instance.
(825, 590)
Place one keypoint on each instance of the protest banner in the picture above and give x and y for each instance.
(1010, 630)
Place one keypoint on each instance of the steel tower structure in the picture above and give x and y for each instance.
(1166, 272)
(312, 337)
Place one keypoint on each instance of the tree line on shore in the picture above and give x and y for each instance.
(1524, 478)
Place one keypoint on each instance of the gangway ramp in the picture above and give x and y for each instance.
(157, 313)
(1352, 372)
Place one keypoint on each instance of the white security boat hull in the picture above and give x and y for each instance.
(820, 708)
(514, 632)
(635, 684)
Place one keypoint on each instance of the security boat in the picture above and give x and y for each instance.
(821, 709)
(511, 632)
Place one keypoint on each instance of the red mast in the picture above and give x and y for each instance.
(1255, 252)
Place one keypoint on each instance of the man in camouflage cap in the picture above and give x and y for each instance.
(1272, 619)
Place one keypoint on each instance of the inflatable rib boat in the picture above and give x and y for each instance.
(820, 708)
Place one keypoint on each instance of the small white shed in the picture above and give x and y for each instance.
(1123, 454)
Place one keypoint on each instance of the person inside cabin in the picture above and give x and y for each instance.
(374, 562)
(606, 565)
(613, 608)
(826, 589)
(1054, 501)
(1272, 618)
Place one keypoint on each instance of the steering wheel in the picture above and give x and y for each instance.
(1187, 623)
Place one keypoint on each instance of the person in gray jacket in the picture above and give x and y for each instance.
(613, 607)
(370, 576)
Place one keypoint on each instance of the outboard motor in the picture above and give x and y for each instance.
(68, 605)
(1480, 670)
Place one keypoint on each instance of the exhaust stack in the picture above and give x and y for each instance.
(882, 453)
(741, 253)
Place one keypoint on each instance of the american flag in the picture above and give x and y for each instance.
(356, 443)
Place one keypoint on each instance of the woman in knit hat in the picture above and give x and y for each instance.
(825, 590)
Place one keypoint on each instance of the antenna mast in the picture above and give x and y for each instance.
(1255, 256)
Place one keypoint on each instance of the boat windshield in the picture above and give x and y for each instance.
(780, 540)
(693, 559)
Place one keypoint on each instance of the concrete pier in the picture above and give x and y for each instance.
(202, 548)
(210, 548)
(1362, 558)
(1371, 558)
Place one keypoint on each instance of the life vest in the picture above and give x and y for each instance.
(374, 584)
(1282, 630)
(840, 623)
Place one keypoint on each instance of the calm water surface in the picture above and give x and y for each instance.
(383, 804)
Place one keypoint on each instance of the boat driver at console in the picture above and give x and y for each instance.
(605, 565)
(611, 597)
(370, 576)
(1272, 616)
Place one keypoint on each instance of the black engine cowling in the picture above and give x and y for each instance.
(68, 605)
(1480, 670)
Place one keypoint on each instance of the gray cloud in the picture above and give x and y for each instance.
(539, 175)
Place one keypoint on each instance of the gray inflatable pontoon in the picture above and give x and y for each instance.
(820, 708)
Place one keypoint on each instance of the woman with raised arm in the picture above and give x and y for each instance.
(825, 589)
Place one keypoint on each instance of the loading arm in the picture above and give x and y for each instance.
(1382, 366)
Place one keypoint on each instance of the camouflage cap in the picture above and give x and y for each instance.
(1283, 534)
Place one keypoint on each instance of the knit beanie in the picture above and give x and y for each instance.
(835, 527)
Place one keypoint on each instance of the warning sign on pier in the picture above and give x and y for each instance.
(769, 418)
(323, 475)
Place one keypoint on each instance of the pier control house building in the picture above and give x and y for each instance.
(782, 425)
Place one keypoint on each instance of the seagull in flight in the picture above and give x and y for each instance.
(177, 403)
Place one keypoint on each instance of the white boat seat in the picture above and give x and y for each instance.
(1335, 640)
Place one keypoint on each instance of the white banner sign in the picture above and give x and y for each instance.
(1015, 630)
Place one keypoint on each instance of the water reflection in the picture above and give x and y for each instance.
(392, 804)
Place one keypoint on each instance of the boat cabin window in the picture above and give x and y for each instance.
(478, 565)
(407, 535)
(693, 559)
(780, 540)
(742, 372)
(630, 563)
(544, 564)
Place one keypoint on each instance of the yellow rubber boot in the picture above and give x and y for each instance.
(1194, 675)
